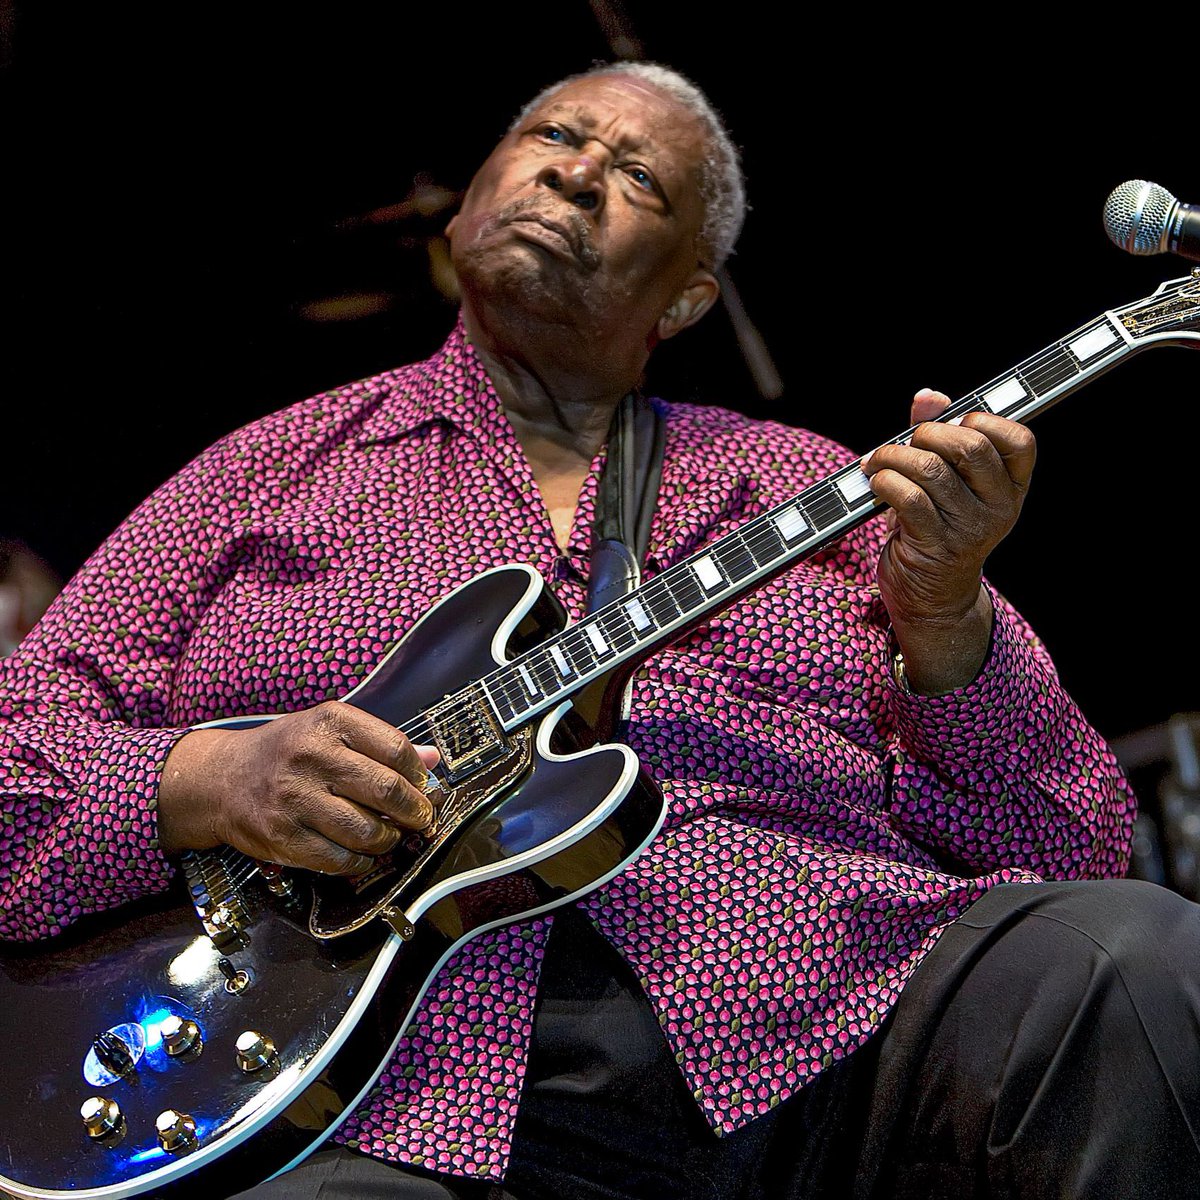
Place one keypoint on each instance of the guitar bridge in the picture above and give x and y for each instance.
(214, 883)
(466, 733)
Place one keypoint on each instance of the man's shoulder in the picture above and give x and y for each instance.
(344, 413)
(758, 445)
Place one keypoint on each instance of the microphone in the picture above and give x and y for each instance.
(1144, 218)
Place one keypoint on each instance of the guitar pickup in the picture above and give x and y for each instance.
(466, 734)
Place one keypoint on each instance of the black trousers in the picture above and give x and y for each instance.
(1049, 1046)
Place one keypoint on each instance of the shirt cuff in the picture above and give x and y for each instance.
(993, 718)
(114, 833)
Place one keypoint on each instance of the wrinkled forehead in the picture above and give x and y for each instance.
(603, 94)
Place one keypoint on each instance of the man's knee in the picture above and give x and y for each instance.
(1150, 935)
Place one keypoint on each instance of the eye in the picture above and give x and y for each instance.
(641, 177)
(553, 133)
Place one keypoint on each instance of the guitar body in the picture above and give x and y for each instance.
(532, 809)
(330, 972)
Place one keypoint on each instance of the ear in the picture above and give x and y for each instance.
(450, 225)
(697, 296)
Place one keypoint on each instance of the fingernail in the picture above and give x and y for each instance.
(430, 756)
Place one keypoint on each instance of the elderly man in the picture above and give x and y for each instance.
(860, 761)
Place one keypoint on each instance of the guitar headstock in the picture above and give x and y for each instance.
(1171, 314)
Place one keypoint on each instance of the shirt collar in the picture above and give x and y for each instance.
(698, 495)
(452, 386)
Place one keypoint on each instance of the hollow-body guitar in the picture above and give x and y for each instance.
(195, 1043)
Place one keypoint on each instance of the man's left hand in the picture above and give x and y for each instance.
(955, 492)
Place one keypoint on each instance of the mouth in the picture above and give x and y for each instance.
(559, 238)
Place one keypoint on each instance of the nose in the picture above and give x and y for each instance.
(578, 179)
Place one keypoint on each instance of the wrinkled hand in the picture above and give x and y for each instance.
(955, 493)
(329, 789)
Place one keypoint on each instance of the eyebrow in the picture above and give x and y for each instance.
(638, 146)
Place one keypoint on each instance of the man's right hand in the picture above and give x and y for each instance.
(328, 788)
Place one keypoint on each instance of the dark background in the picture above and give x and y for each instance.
(180, 188)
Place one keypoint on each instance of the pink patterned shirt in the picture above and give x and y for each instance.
(823, 826)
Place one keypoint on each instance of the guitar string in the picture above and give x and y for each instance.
(753, 535)
(1033, 371)
(1056, 357)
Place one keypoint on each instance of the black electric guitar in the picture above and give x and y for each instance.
(199, 1042)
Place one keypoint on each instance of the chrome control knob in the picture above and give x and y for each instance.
(180, 1036)
(101, 1116)
(255, 1051)
(176, 1130)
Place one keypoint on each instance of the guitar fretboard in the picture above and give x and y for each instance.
(693, 590)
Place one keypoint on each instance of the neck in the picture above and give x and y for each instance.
(557, 391)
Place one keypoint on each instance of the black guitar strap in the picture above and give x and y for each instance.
(595, 1034)
(625, 500)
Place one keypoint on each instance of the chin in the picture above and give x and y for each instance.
(522, 279)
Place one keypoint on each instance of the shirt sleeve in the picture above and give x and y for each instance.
(85, 708)
(1006, 771)
(1004, 774)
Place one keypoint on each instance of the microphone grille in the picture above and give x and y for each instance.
(1136, 214)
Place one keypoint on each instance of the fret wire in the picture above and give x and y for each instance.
(1057, 355)
(1062, 357)
(826, 507)
(658, 596)
(499, 694)
(552, 667)
(685, 580)
(735, 558)
(580, 649)
(1059, 349)
(499, 687)
(517, 685)
(623, 628)
(669, 580)
(765, 530)
(592, 621)
(666, 579)
(621, 617)
(709, 552)
(1047, 380)
(540, 661)
(520, 701)
(571, 669)
(760, 544)
(1025, 381)
(638, 599)
(764, 544)
(639, 634)
(529, 688)
(1053, 356)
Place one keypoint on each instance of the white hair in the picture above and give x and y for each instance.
(722, 186)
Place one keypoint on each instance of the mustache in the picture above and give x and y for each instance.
(570, 222)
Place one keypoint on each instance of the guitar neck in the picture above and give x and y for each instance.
(633, 628)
